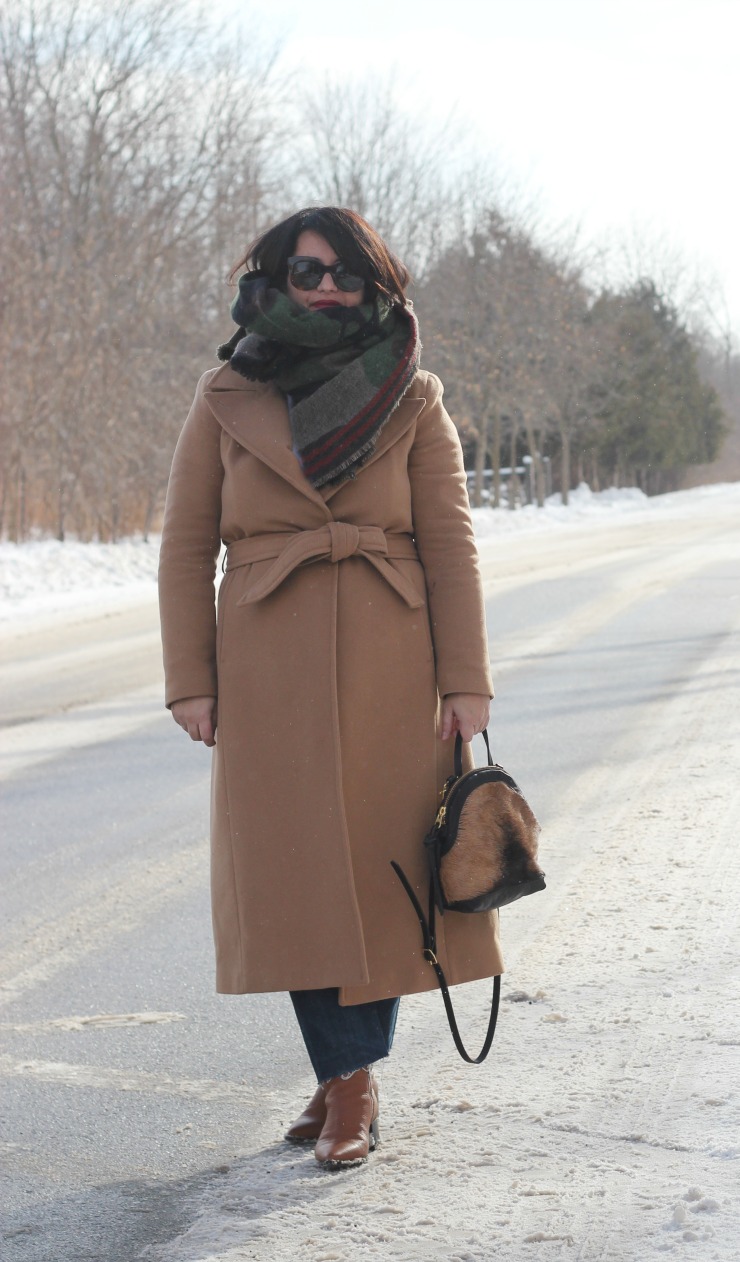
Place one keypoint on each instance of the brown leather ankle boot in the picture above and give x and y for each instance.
(309, 1125)
(351, 1128)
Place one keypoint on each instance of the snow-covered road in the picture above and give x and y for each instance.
(606, 1122)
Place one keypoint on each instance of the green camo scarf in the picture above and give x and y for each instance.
(343, 369)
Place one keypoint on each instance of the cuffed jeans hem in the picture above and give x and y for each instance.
(339, 1039)
(328, 1072)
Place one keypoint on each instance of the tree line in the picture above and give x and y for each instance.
(141, 149)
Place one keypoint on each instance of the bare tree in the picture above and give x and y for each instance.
(359, 148)
(135, 153)
(486, 300)
(140, 152)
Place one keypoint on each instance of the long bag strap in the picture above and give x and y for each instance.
(428, 933)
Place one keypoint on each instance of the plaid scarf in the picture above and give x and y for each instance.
(343, 370)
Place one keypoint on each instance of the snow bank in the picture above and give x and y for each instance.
(46, 576)
(590, 508)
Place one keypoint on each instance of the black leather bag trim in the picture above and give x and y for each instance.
(439, 841)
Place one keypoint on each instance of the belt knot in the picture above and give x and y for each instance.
(345, 540)
(334, 541)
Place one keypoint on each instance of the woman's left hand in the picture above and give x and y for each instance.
(466, 713)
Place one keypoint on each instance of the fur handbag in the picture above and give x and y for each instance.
(482, 852)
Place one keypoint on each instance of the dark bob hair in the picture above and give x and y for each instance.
(350, 236)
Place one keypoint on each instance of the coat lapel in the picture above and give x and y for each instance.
(256, 416)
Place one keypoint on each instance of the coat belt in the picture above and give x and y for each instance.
(336, 541)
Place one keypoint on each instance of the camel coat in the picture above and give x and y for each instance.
(342, 615)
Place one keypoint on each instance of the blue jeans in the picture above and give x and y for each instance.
(339, 1040)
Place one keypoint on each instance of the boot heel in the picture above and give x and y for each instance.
(374, 1134)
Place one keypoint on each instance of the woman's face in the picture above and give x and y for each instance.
(326, 294)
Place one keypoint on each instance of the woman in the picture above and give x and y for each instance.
(350, 645)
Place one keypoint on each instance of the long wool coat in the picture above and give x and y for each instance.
(344, 614)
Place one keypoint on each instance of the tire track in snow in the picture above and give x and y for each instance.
(644, 1035)
(28, 745)
(105, 907)
(512, 560)
(48, 671)
(644, 581)
(106, 1078)
(581, 1137)
(96, 1021)
(469, 1170)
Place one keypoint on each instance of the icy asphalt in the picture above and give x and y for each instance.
(142, 1114)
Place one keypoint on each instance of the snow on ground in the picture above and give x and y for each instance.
(586, 507)
(44, 577)
(606, 1123)
(605, 1126)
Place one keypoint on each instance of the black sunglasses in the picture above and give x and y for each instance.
(307, 273)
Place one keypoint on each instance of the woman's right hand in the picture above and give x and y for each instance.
(198, 716)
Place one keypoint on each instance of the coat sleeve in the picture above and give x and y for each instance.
(187, 563)
(446, 544)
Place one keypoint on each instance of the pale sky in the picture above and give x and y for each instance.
(621, 115)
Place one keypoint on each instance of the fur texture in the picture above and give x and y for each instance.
(496, 840)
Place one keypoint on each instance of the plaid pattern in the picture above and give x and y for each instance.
(349, 366)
